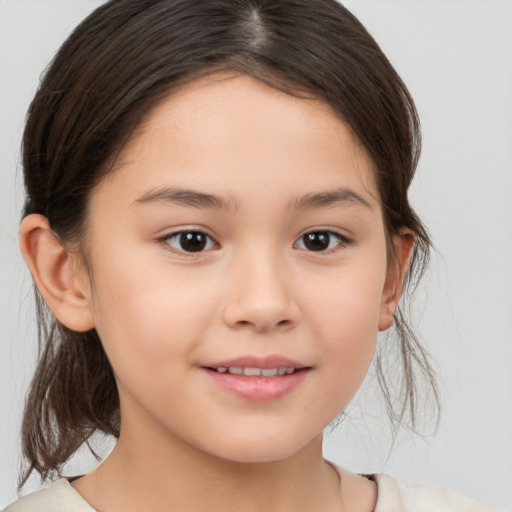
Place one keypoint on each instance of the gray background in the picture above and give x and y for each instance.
(456, 57)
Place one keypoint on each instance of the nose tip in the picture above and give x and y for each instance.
(261, 321)
(260, 300)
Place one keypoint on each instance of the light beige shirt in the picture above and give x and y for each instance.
(393, 496)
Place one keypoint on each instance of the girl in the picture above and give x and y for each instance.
(217, 219)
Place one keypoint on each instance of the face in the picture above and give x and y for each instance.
(239, 273)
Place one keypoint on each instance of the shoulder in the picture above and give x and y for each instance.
(395, 496)
(59, 497)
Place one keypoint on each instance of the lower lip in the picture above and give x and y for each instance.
(261, 389)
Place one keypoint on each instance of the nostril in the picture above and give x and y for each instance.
(260, 314)
(263, 326)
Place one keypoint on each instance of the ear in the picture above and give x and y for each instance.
(56, 272)
(402, 244)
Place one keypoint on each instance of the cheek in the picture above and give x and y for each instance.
(345, 319)
(349, 301)
(146, 315)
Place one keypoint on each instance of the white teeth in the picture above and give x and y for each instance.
(256, 372)
(252, 372)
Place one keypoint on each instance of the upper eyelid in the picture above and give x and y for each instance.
(187, 229)
(343, 241)
(331, 231)
(171, 234)
(205, 231)
(199, 229)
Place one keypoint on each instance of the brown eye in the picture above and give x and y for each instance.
(319, 241)
(190, 241)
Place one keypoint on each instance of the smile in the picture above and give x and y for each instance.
(258, 379)
(256, 372)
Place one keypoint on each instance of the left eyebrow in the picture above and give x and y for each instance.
(330, 198)
(186, 197)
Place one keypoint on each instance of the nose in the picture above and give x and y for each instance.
(260, 296)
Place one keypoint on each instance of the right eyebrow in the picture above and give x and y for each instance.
(186, 197)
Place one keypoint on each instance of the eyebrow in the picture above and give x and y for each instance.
(196, 199)
(187, 197)
(330, 198)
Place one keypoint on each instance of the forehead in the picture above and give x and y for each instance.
(223, 127)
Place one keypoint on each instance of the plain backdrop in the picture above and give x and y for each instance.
(456, 57)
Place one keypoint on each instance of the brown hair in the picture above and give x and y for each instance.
(117, 65)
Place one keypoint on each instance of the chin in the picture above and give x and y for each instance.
(264, 449)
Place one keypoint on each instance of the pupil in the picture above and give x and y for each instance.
(193, 242)
(318, 241)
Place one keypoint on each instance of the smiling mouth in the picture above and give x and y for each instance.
(258, 379)
(257, 372)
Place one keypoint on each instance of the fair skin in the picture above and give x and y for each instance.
(286, 269)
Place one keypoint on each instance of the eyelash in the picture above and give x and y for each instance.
(208, 240)
(342, 241)
(210, 243)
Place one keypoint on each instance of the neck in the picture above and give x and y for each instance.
(147, 476)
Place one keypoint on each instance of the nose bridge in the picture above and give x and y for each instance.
(260, 297)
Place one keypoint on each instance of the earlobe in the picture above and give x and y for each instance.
(403, 244)
(54, 269)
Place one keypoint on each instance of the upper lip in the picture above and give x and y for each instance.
(268, 362)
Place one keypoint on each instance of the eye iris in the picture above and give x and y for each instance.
(318, 241)
(193, 241)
